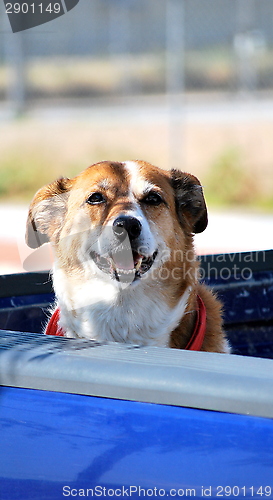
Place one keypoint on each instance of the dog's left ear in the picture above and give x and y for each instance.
(46, 212)
(190, 201)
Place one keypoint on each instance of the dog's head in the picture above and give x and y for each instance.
(119, 220)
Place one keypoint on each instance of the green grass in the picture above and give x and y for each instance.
(34, 153)
(21, 176)
(229, 183)
(29, 162)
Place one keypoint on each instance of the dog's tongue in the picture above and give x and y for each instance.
(124, 259)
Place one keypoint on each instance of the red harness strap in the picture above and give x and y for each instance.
(197, 338)
(194, 344)
(53, 327)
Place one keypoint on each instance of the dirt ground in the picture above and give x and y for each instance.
(56, 145)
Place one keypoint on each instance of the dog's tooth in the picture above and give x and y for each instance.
(138, 264)
(125, 271)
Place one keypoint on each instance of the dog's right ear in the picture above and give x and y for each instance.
(46, 212)
(190, 202)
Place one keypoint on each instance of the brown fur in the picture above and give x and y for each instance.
(55, 207)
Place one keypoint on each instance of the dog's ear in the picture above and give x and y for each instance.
(46, 212)
(190, 201)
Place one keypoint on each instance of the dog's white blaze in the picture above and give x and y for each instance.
(133, 169)
(138, 185)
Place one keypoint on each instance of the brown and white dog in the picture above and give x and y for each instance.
(125, 269)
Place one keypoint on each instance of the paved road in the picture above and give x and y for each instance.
(152, 109)
(227, 232)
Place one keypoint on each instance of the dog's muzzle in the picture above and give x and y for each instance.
(127, 261)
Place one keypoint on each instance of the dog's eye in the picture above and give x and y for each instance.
(95, 199)
(153, 198)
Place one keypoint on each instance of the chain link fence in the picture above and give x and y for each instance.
(127, 47)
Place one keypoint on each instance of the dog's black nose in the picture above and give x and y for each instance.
(126, 224)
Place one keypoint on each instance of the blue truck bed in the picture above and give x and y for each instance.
(81, 419)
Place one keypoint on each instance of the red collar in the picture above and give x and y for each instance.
(197, 338)
(194, 344)
(53, 327)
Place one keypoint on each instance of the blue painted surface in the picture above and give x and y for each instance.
(50, 441)
(56, 446)
(27, 313)
(26, 300)
(248, 300)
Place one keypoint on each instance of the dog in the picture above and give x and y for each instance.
(124, 263)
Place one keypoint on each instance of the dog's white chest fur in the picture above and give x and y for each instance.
(100, 311)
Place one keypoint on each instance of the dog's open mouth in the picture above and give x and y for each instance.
(123, 265)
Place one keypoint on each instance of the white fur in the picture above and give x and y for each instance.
(106, 313)
(138, 185)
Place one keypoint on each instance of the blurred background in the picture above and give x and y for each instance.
(180, 83)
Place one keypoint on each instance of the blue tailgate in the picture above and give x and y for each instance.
(79, 419)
